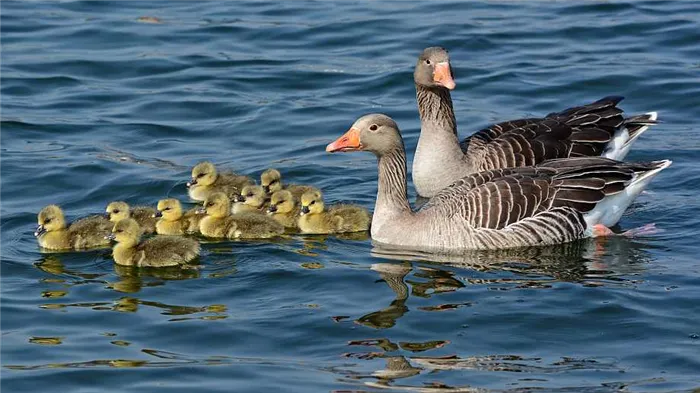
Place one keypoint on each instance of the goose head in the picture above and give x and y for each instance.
(203, 174)
(376, 133)
(117, 211)
(216, 205)
(281, 202)
(50, 218)
(126, 231)
(252, 195)
(311, 203)
(271, 181)
(433, 69)
(169, 209)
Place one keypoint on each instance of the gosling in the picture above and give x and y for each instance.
(206, 180)
(271, 181)
(53, 233)
(173, 221)
(251, 199)
(284, 208)
(159, 251)
(219, 223)
(144, 215)
(315, 219)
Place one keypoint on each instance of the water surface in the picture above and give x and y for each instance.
(98, 105)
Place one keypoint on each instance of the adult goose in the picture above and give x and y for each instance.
(556, 202)
(596, 129)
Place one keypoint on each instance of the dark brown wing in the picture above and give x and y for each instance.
(580, 131)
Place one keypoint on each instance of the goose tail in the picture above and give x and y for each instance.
(609, 211)
(632, 128)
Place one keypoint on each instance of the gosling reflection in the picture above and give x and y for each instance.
(53, 265)
(397, 367)
(131, 278)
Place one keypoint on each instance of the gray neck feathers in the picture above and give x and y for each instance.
(391, 194)
(435, 106)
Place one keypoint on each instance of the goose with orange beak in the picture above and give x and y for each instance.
(557, 202)
(595, 129)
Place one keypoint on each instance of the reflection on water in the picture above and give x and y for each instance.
(131, 278)
(584, 260)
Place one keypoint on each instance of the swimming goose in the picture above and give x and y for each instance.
(596, 129)
(219, 223)
(559, 201)
(251, 199)
(206, 179)
(53, 234)
(284, 208)
(271, 181)
(144, 215)
(316, 219)
(158, 251)
(172, 220)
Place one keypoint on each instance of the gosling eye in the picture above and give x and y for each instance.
(120, 230)
(373, 127)
(250, 194)
(201, 175)
(115, 211)
(427, 61)
(312, 202)
(167, 208)
(210, 204)
(48, 220)
(274, 181)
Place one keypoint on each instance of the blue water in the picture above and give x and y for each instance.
(98, 105)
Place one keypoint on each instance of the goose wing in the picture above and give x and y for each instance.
(544, 204)
(579, 131)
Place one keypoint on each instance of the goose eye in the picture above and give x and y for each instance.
(115, 211)
(373, 127)
(427, 61)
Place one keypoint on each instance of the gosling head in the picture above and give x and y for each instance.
(377, 133)
(433, 69)
(311, 203)
(271, 181)
(281, 202)
(117, 211)
(203, 174)
(169, 209)
(126, 231)
(50, 219)
(216, 205)
(252, 195)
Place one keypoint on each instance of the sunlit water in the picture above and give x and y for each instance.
(99, 106)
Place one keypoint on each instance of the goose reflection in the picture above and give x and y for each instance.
(393, 275)
(589, 259)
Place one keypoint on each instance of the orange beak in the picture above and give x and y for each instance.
(350, 141)
(443, 76)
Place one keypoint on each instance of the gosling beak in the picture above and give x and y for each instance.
(266, 189)
(191, 183)
(442, 75)
(272, 209)
(111, 236)
(158, 214)
(201, 210)
(350, 141)
(40, 230)
(304, 210)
